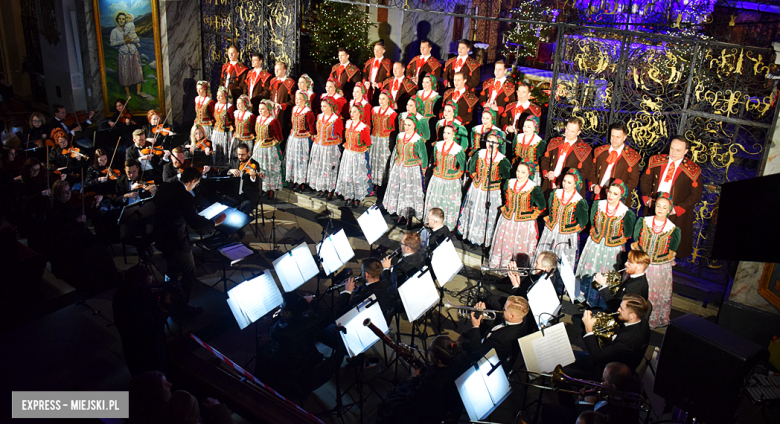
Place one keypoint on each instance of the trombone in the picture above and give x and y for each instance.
(490, 314)
(615, 397)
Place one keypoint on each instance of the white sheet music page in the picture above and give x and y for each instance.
(305, 261)
(553, 349)
(257, 296)
(342, 246)
(418, 294)
(238, 314)
(360, 338)
(543, 301)
(473, 393)
(212, 211)
(445, 262)
(497, 383)
(328, 256)
(567, 275)
(373, 224)
(288, 272)
(527, 349)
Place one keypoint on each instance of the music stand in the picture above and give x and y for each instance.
(445, 264)
(373, 224)
(134, 218)
(418, 294)
(543, 300)
(570, 283)
(335, 251)
(253, 299)
(358, 337)
(483, 386)
(295, 267)
(543, 351)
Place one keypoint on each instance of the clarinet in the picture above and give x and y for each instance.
(400, 350)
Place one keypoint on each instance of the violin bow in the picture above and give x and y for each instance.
(83, 209)
(162, 125)
(114, 155)
(127, 100)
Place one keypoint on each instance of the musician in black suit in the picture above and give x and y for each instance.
(546, 264)
(130, 187)
(59, 121)
(411, 262)
(504, 334)
(371, 272)
(176, 210)
(249, 171)
(437, 231)
(636, 283)
(627, 346)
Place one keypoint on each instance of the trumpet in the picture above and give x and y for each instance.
(615, 397)
(489, 313)
(522, 271)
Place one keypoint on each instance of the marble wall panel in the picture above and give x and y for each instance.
(181, 51)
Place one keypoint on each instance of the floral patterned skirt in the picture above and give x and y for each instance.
(270, 161)
(447, 196)
(220, 140)
(561, 244)
(598, 257)
(297, 158)
(512, 238)
(323, 167)
(378, 154)
(405, 192)
(659, 278)
(473, 218)
(354, 180)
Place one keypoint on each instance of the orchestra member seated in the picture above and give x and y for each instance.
(636, 281)
(172, 170)
(503, 334)
(246, 168)
(36, 134)
(76, 255)
(627, 345)
(290, 361)
(155, 133)
(437, 231)
(130, 187)
(140, 152)
(63, 157)
(97, 177)
(412, 260)
(175, 210)
(373, 283)
(616, 377)
(28, 199)
(546, 264)
(431, 396)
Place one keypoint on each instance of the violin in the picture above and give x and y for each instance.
(204, 144)
(247, 164)
(162, 131)
(125, 114)
(111, 175)
(145, 185)
(75, 153)
(76, 118)
(157, 151)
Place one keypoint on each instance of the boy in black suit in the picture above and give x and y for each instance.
(373, 283)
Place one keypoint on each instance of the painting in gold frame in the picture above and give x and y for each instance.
(769, 284)
(128, 36)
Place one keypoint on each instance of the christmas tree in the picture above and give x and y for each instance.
(523, 39)
(335, 25)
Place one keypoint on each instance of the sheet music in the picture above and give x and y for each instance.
(235, 251)
(373, 224)
(529, 354)
(553, 349)
(212, 211)
(238, 314)
(445, 262)
(305, 261)
(360, 338)
(295, 267)
(418, 295)
(543, 301)
(567, 275)
(497, 383)
(335, 252)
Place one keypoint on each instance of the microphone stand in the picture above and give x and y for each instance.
(479, 292)
(325, 232)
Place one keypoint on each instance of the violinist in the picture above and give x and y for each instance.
(172, 170)
(130, 187)
(64, 157)
(145, 155)
(31, 196)
(246, 168)
(71, 245)
(200, 145)
(155, 133)
(122, 116)
(99, 177)
(59, 121)
(35, 135)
